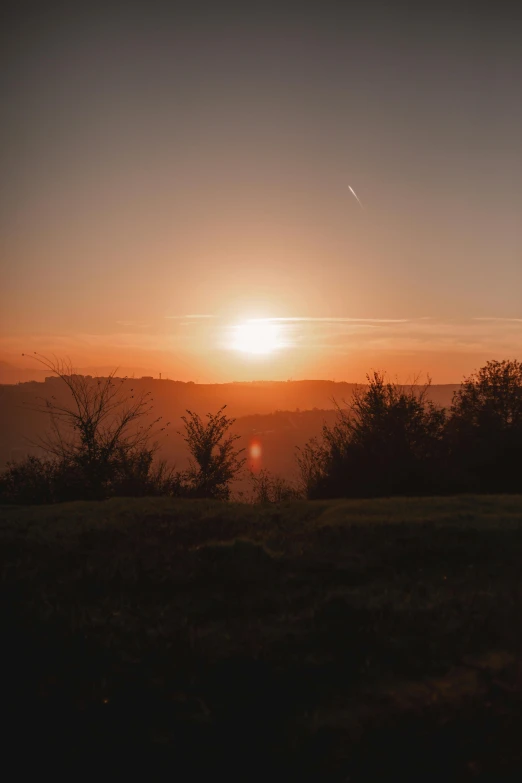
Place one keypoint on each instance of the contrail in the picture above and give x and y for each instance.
(356, 196)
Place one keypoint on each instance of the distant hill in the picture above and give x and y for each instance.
(10, 374)
(279, 415)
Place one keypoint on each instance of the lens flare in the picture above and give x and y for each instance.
(255, 450)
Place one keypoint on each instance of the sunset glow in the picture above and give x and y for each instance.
(232, 207)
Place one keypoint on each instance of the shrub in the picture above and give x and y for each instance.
(29, 481)
(35, 480)
(270, 488)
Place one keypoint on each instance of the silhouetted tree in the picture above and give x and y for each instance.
(485, 429)
(215, 460)
(101, 436)
(389, 440)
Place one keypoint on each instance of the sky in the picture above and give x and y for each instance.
(175, 188)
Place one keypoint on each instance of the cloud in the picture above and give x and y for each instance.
(495, 318)
(398, 336)
(307, 319)
(182, 317)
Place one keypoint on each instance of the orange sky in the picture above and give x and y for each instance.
(164, 166)
(202, 349)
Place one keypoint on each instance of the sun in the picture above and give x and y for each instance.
(257, 337)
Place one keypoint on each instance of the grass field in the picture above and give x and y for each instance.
(317, 641)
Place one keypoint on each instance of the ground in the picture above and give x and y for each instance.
(332, 641)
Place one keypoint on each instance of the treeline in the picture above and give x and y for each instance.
(102, 444)
(389, 440)
(394, 441)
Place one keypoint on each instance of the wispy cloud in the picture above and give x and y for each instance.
(399, 335)
(139, 324)
(495, 318)
(183, 317)
(308, 319)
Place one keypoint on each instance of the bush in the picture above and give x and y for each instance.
(28, 482)
(34, 480)
(269, 488)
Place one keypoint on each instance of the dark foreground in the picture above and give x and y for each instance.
(342, 641)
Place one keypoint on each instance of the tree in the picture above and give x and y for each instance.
(215, 460)
(389, 440)
(485, 429)
(100, 430)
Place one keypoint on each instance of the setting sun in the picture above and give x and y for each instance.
(257, 337)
